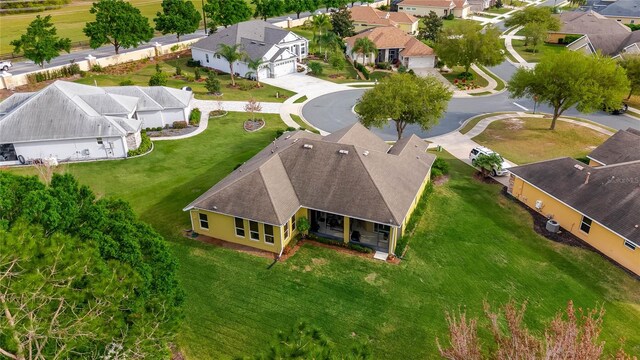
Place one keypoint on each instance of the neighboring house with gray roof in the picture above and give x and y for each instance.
(351, 185)
(623, 11)
(598, 203)
(71, 122)
(279, 49)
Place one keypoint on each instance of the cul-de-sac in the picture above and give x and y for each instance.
(320, 179)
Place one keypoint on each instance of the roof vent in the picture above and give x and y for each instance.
(365, 153)
(286, 137)
(295, 140)
(579, 167)
(343, 152)
(307, 146)
(215, 208)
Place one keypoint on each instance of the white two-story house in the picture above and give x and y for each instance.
(280, 49)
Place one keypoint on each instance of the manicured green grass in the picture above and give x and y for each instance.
(378, 75)
(488, 16)
(498, 11)
(141, 77)
(501, 85)
(450, 23)
(303, 125)
(541, 50)
(69, 20)
(475, 245)
(346, 75)
(473, 122)
(301, 100)
(303, 31)
(457, 70)
(481, 93)
(526, 140)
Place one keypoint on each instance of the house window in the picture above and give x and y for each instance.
(286, 230)
(630, 245)
(268, 234)
(204, 221)
(379, 228)
(99, 140)
(254, 233)
(586, 224)
(206, 56)
(293, 222)
(239, 227)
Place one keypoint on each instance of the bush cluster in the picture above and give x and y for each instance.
(279, 132)
(179, 124)
(383, 65)
(569, 39)
(158, 79)
(194, 117)
(362, 69)
(440, 167)
(193, 63)
(127, 82)
(65, 71)
(145, 145)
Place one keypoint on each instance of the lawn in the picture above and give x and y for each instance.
(303, 125)
(475, 246)
(457, 70)
(501, 85)
(499, 11)
(141, 77)
(346, 75)
(69, 20)
(541, 50)
(450, 23)
(473, 122)
(525, 140)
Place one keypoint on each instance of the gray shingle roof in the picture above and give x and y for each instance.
(12, 102)
(623, 146)
(611, 197)
(605, 34)
(627, 8)
(256, 37)
(368, 182)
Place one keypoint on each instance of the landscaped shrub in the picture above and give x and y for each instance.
(193, 63)
(96, 68)
(279, 132)
(246, 86)
(145, 145)
(583, 159)
(196, 74)
(449, 17)
(127, 82)
(158, 68)
(569, 39)
(362, 69)
(402, 69)
(383, 65)
(194, 117)
(212, 84)
(384, 7)
(337, 61)
(158, 79)
(440, 167)
(315, 67)
(411, 72)
(178, 71)
(179, 124)
(65, 71)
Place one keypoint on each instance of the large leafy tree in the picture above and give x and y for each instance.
(299, 6)
(84, 278)
(342, 23)
(631, 63)
(177, 17)
(468, 43)
(118, 23)
(364, 46)
(41, 43)
(231, 53)
(405, 99)
(432, 27)
(319, 24)
(534, 34)
(265, 9)
(534, 14)
(569, 79)
(226, 12)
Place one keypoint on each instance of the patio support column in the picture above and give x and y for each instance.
(346, 227)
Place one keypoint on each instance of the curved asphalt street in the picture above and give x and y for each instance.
(334, 111)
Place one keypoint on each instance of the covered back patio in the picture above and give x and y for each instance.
(361, 232)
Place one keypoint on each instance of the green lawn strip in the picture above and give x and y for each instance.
(487, 16)
(499, 11)
(526, 140)
(69, 20)
(457, 70)
(450, 23)
(475, 120)
(298, 120)
(301, 100)
(475, 246)
(633, 113)
(501, 85)
(481, 93)
(303, 31)
(541, 50)
(141, 77)
(510, 57)
(346, 75)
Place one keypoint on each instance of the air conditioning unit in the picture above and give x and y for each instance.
(86, 152)
(552, 226)
(539, 204)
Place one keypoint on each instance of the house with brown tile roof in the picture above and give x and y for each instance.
(599, 203)
(366, 17)
(350, 185)
(459, 8)
(394, 45)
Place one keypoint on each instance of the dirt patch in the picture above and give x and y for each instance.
(229, 245)
(487, 180)
(514, 124)
(371, 278)
(440, 180)
(318, 261)
(176, 354)
(307, 268)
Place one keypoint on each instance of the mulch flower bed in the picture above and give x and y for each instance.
(172, 132)
(253, 125)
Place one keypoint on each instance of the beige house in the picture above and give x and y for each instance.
(459, 8)
(367, 17)
(394, 45)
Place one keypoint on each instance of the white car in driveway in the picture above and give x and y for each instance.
(481, 150)
(5, 65)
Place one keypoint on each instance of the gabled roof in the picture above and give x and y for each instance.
(623, 146)
(349, 173)
(12, 102)
(429, 3)
(622, 8)
(257, 37)
(371, 15)
(611, 196)
(389, 37)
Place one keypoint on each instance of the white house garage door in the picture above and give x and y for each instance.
(421, 62)
(264, 72)
(284, 68)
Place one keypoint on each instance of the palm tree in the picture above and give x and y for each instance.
(254, 65)
(365, 47)
(231, 53)
(330, 41)
(319, 23)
